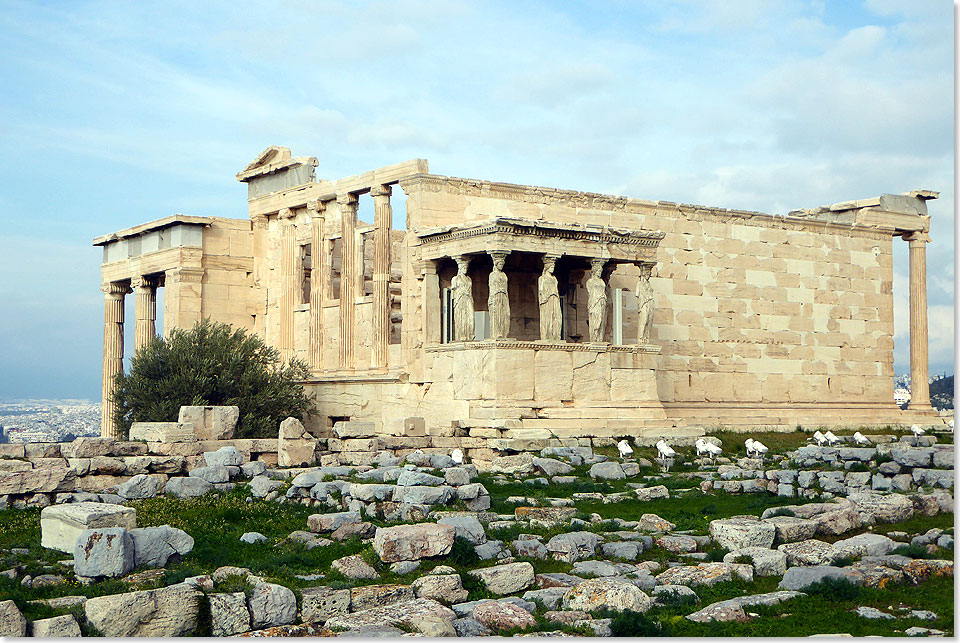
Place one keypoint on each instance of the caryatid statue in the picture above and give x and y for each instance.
(596, 300)
(498, 302)
(551, 323)
(645, 306)
(462, 301)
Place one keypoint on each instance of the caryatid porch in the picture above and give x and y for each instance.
(520, 307)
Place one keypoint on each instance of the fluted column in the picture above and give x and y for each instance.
(145, 312)
(348, 277)
(288, 285)
(317, 280)
(382, 221)
(113, 294)
(919, 355)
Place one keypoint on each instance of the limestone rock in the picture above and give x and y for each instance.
(806, 552)
(652, 493)
(511, 464)
(704, 574)
(607, 593)
(319, 523)
(407, 613)
(213, 475)
(12, 622)
(187, 487)
(622, 550)
(884, 508)
(156, 546)
(653, 522)
(738, 533)
(791, 529)
(354, 567)
(40, 480)
(210, 422)
(467, 527)
(262, 485)
(677, 544)
(444, 587)
(57, 627)
(272, 605)
(718, 612)
(229, 614)
(469, 627)
(550, 467)
(545, 517)
(607, 471)
(418, 478)
(140, 486)
(253, 537)
(862, 545)
(223, 457)
(107, 551)
(509, 578)
(574, 546)
(500, 616)
(87, 447)
(837, 521)
(169, 611)
(370, 596)
(920, 570)
(766, 562)
(321, 603)
(799, 578)
(61, 525)
(413, 542)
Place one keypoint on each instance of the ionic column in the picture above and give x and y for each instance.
(113, 294)
(145, 312)
(317, 280)
(431, 305)
(919, 355)
(463, 301)
(348, 277)
(382, 220)
(288, 278)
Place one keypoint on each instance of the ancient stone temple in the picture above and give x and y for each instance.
(493, 310)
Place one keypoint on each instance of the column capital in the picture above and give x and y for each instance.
(381, 190)
(347, 199)
(463, 263)
(259, 221)
(917, 237)
(143, 283)
(316, 206)
(114, 288)
(285, 213)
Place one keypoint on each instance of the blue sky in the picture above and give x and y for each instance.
(116, 113)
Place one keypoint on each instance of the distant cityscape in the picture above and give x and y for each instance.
(46, 420)
(43, 420)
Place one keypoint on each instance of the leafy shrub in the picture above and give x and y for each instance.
(858, 467)
(743, 559)
(630, 623)
(211, 364)
(913, 551)
(462, 554)
(676, 599)
(716, 553)
(835, 589)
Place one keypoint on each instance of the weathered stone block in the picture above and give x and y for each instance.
(210, 422)
(61, 525)
(107, 551)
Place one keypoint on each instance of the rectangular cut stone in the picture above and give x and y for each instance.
(355, 429)
(211, 422)
(162, 432)
(60, 525)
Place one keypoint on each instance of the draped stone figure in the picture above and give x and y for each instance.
(645, 307)
(551, 323)
(462, 302)
(498, 301)
(596, 300)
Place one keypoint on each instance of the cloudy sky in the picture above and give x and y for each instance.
(115, 113)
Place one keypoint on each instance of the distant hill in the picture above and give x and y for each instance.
(941, 393)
